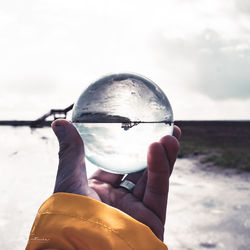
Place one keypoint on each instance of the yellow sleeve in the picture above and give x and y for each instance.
(70, 221)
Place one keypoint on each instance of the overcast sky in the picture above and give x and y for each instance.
(197, 51)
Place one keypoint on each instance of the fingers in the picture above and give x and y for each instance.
(71, 175)
(177, 132)
(142, 181)
(134, 177)
(161, 157)
(112, 179)
(171, 146)
(139, 179)
(140, 186)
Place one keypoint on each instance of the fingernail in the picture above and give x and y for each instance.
(59, 130)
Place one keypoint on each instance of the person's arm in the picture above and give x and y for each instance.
(99, 214)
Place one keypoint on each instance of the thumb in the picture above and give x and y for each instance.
(71, 174)
(68, 138)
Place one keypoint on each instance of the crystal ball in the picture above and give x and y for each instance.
(118, 117)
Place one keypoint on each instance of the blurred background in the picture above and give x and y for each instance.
(198, 52)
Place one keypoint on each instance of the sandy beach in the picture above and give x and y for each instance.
(208, 208)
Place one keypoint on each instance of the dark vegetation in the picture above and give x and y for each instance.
(223, 143)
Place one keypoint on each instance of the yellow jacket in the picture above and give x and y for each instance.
(70, 221)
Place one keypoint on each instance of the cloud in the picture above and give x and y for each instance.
(243, 6)
(223, 67)
(210, 64)
(51, 50)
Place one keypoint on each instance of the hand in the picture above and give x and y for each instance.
(147, 202)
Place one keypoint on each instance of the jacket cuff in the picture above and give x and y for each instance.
(71, 221)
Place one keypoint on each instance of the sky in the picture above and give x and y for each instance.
(196, 51)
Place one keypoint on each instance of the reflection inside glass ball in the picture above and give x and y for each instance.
(118, 117)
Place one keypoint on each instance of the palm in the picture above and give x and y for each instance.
(106, 186)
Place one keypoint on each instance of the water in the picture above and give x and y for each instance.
(117, 150)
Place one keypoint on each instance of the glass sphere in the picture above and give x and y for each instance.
(118, 117)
